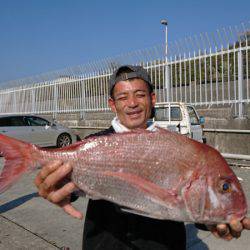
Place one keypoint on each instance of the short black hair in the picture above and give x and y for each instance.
(127, 72)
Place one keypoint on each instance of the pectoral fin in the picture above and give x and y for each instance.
(165, 197)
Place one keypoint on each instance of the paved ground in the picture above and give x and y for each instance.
(29, 222)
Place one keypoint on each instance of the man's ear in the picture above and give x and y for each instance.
(153, 98)
(111, 103)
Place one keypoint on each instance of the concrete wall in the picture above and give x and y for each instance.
(215, 117)
(224, 118)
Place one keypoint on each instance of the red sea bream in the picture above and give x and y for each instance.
(159, 174)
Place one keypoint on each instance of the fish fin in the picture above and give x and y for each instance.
(160, 195)
(19, 158)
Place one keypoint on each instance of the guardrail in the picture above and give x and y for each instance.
(234, 131)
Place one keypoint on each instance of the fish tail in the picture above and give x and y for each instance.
(20, 157)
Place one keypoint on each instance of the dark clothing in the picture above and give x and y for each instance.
(108, 228)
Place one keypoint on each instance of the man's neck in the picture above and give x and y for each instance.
(120, 128)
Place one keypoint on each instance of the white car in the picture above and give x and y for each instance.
(36, 130)
(180, 117)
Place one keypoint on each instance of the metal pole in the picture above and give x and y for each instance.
(167, 80)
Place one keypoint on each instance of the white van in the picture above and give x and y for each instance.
(180, 117)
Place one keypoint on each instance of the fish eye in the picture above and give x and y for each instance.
(226, 187)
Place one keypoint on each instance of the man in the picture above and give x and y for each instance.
(106, 225)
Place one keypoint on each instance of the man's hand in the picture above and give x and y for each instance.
(231, 230)
(53, 185)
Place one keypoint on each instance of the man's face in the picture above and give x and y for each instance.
(132, 103)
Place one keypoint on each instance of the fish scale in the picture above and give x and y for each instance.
(158, 174)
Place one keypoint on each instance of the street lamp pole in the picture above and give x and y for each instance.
(167, 80)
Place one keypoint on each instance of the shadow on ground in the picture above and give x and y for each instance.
(193, 241)
(17, 202)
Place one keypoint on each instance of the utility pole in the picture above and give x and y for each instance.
(167, 79)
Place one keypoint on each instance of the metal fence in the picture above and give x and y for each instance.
(206, 70)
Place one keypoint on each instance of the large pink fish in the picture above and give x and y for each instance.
(157, 174)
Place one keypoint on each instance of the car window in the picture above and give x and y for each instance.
(4, 121)
(162, 114)
(36, 121)
(193, 117)
(15, 121)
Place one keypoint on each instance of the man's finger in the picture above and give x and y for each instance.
(62, 193)
(46, 170)
(222, 230)
(246, 223)
(235, 234)
(236, 226)
(42, 192)
(227, 237)
(69, 209)
(56, 176)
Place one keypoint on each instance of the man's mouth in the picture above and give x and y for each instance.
(134, 114)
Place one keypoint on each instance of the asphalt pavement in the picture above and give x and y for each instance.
(27, 221)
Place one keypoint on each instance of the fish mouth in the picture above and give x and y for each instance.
(239, 215)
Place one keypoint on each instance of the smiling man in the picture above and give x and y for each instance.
(107, 226)
(131, 97)
(133, 102)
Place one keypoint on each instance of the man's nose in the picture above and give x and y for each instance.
(132, 101)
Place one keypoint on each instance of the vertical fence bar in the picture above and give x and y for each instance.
(234, 68)
(14, 102)
(228, 75)
(156, 83)
(102, 90)
(98, 106)
(222, 75)
(70, 103)
(247, 71)
(216, 76)
(164, 83)
(88, 91)
(211, 75)
(240, 84)
(180, 75)
(176, 87)
(200, 75)
(205, 74)
(55, 107)
(185, 78)
(190, 77)
(195, 89)
(74, 96)
(33, 101)
(171, 78)
(91, 94)
(163, 91)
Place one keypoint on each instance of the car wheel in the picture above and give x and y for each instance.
(63, 140)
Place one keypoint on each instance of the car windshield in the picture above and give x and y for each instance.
(162, 114)
(193, 117)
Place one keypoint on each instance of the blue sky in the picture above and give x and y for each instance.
(38, 36)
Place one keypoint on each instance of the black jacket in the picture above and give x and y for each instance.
(108, 228)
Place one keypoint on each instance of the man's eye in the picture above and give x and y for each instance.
(122, 98)
(140, 95)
